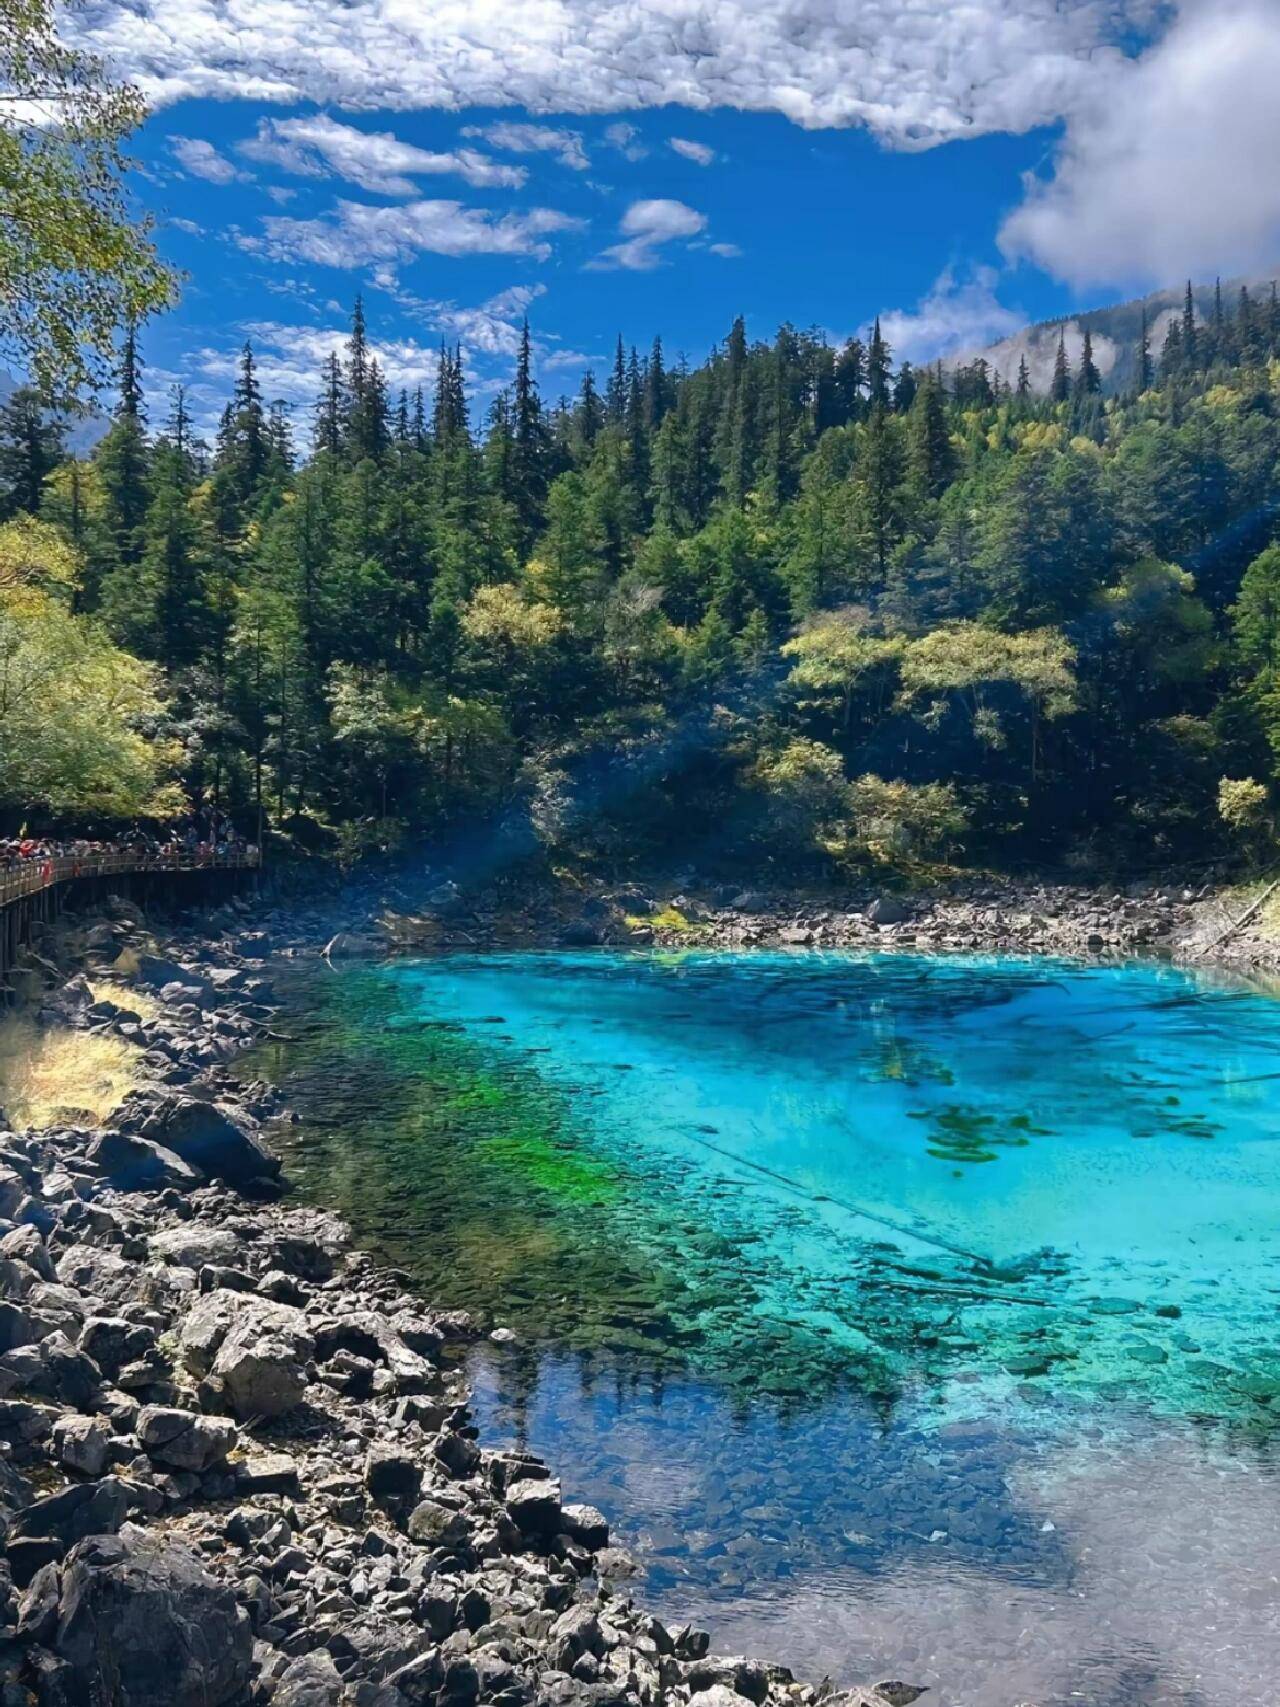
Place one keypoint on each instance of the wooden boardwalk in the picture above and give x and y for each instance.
(31, 892)
(30, 876)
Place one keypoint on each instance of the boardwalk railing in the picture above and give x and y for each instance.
(30, 876)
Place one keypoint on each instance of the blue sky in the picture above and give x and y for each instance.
(660, 168)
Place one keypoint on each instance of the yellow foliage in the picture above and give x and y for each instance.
(52, 1076)
(33, 556)
(131, 996)
(502, 614)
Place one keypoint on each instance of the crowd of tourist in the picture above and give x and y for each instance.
(202, 839)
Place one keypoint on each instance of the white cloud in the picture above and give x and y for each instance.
(954, 314)
(192, 227)
(202, 160)
(1171, 164)
(356, 234)
(698, 152)
(566, 145)
(913, 74)
(727, 251)
(626, 139)
(645, 226)
(378, 161)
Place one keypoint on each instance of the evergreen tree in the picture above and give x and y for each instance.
(1088, 381)
(878, 367)
(1060, 385)
(589, 413)
(122, 459)
(655, 389)
(931, 455)
(1190, 334)
(850, 379)
(131, 398)
(1144, 355)
(616, 392)
(529, 444)
(331, 408)
(1023, 388)
(30, 449)
(904, 389)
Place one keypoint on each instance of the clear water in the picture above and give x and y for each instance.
(912, 1316)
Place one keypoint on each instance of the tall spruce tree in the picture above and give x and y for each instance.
(30, 449)
(878, 368)
(1060, 385)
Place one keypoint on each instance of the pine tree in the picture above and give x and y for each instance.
(589, 413)
(904, 389)
(241, 456)
(357, 381)
(529, 444)
(177, 427)
(878, 486)
(131, 403)
(1219, 340)
(850, 378)
(1060, 386)
(1023, 388)
(1088, 381)
(930, 453)
(30, 449)
(1247, 341)
(161, 606)
(123, 461)
(1190, 336)
(655, 388)
(878, 367)
(331, 408)
(1171, 353)
(615, 397)
(1144, 354)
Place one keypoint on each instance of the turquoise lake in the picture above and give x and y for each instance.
(907, 1316)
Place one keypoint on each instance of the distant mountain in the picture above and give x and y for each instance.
(1115, 331)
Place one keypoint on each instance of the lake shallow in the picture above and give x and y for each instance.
(913, 1316)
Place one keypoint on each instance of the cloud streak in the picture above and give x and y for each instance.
(357, 234)
(377, 161)
(200, 159)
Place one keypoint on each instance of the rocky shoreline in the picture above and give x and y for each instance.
(1201, 924)
(236, 1463)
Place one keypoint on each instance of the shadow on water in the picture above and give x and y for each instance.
(853, 1290)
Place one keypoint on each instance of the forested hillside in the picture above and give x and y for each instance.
(798, 604)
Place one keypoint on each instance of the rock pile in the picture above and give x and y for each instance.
(236, 1464)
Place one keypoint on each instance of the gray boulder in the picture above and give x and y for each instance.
(535, 1507)
(220, 1142)
(311, 1680)
(134, 1163)
(181, 1440)
(888, 910)
(197, 1245)
(253, 1350)
(81, 1443)
(141, 1623)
